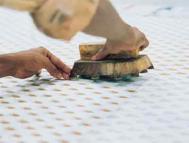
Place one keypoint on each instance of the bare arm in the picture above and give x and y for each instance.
(6, 66)
(107, 23)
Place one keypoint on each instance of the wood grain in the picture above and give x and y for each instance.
(112, 68)
(87, 51)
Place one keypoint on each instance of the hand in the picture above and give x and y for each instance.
(28, 63)
(136, 40)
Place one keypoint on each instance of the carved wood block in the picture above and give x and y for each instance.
(112, 68)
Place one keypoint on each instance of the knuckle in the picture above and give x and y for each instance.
(41, 48)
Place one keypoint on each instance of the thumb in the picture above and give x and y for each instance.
(100, 55)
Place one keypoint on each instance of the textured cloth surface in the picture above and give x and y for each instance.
(152, 108)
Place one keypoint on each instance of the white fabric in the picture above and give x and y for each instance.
(152, 108)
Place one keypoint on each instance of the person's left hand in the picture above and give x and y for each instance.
(29, 63)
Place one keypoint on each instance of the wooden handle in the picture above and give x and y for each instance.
(87, 51)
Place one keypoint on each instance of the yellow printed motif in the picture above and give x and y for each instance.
(25, 5)
(64, 18)
(57, 18)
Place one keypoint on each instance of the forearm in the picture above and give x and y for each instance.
(107, 23)
(6, 65)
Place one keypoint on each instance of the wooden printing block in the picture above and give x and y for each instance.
(87, 51)
(112, 67)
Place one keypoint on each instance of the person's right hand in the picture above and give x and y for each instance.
(135, 41)
(28, 63)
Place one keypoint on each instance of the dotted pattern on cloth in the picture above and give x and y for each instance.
(152, 108)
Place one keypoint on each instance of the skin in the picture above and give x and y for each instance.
(105, 23)
(28, 63)
(122, 37)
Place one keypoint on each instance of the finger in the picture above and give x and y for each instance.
(58, 63)
(144, 45)
(100, 55)
(52, 69)
(66, 76)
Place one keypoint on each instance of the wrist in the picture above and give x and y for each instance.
(125, 34)
(7, 65)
